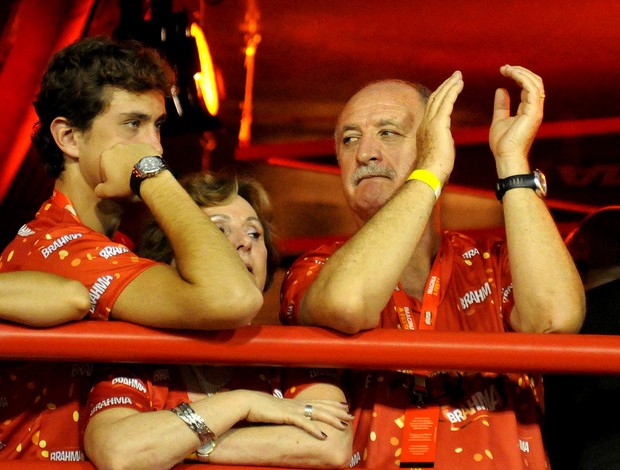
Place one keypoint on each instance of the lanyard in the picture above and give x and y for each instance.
(430, 302)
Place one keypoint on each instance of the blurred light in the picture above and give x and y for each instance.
(194, 101)
(252, 38)
(205, 79)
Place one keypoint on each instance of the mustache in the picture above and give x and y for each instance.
(363, 172)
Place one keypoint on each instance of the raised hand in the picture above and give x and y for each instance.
(115, 168)
(511, 137)
(435, 145)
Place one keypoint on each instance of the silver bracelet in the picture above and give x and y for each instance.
(196, 424)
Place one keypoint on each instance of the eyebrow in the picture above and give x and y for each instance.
(142, 116)
(227, 217)
(389, 122)
(380, 123)
(350, 127)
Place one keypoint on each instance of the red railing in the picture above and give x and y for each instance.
(281, 346)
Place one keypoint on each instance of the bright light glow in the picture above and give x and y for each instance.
(205, 79)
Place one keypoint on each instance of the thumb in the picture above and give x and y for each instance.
(501, 105)
(101, 190)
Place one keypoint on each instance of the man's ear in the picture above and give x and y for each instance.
(65, 136)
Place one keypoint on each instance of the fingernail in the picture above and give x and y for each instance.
(344, 424)
(324, 435)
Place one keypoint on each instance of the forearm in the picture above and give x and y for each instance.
(548, 292)
(357, 281)
(284, 446)
(41, 299)
(289, 446)
(155, 439)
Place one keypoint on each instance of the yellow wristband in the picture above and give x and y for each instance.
(429, 178)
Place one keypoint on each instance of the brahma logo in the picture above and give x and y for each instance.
(110, 402)
(475, 296)
(488, 399)
(66, 456)
(110, 251)
(98, 289)
(25, 231)
(471, 253)
(506, 293)
(59, 243)
(133, 383)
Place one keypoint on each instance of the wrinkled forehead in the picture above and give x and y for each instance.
(382, 102)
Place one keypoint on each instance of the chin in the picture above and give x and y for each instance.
(370, 201)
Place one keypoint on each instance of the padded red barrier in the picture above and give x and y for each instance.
(310, 346)
(35, 465)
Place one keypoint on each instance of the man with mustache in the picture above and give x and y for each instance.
(401, 270)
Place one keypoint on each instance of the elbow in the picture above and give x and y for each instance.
(563, 319)
(106, 458)
(348, 316)
(340, 450)
(340, 458)
(244, 305)
(108, 451)
(112, 463)
(568, 316)
(567, 322)
(73, 305)
(79, 300)
(233, 309)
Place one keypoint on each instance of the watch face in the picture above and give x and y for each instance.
(541, 183)
(150, 164)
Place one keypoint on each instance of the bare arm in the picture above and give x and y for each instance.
(357, 281)
(41, 299)
(212, 288)
(159, 439)
(289, 446)
(548, 293)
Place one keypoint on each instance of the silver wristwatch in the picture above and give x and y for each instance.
(146, 167)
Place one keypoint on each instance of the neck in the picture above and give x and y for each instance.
(100, 215)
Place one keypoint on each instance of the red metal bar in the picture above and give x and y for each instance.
(310, 346)
(36, 465)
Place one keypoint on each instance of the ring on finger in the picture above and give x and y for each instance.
(308, 411)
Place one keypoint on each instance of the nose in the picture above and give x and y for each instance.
(153, 138)
(368, 150)
(241, 240)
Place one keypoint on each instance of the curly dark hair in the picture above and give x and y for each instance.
(73, 86)
(209, 190)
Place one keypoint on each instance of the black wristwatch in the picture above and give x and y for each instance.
(145, 168)
(535, 180)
